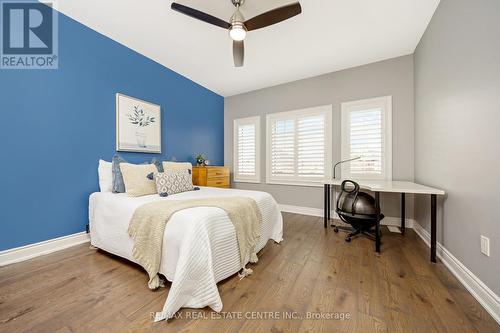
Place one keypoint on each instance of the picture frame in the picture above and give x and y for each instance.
(138, 125)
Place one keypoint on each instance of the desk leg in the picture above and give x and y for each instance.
(329, 191)
(377, 226)
(325, 206)
(403, 213)
(433, 227)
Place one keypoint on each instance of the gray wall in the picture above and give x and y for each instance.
(457, 129)
(391, 77)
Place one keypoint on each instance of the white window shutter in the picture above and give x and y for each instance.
(299, 146)
(283, 148)
(366, 141)
(366, 133)
(311, 146)
(246, 149)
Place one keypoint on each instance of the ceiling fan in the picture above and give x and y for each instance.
(238, 26)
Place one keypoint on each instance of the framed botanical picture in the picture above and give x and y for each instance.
(138, 125)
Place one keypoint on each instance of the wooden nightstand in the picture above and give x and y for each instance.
(214, 176)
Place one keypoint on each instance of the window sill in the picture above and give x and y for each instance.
(366, 178)
(292, 183)
(251, 181)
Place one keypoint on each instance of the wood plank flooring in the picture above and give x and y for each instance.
(312, 273)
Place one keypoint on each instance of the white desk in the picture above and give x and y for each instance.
(378, 186)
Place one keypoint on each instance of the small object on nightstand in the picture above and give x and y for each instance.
(213, 176)
(200, 160)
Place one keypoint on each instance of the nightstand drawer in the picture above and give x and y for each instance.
(218, 182)
(217, 173)
(214, 176)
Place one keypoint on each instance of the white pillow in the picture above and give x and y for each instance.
(135, 178)
(105, 176)
(167, 165)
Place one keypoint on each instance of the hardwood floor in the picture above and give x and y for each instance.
(313, 271)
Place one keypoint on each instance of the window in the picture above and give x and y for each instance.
(247, 150)
(299, 146)
(366, 133)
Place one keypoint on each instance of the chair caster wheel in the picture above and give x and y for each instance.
(348, 239)
(336, 229)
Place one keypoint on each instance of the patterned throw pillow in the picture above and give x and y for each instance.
(173, 181)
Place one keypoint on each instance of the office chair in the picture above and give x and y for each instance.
(357, 209)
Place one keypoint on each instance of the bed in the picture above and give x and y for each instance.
(199, 244)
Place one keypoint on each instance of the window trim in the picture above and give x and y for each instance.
(236, 123)
(385, 102)
(327, 110)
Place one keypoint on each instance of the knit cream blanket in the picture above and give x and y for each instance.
(149, 220)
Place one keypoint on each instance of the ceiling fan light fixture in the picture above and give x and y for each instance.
(237, 26)
(238, 32)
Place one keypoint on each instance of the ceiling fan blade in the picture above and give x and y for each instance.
(200, 15)
(238, 53)
(273, 16)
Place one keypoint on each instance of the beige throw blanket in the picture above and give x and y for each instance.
(149, 220)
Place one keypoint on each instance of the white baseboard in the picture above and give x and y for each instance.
(303, 210)
(484, 295)
(388, 220)
(37, 249)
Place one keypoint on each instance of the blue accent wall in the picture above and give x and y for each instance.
(56, 124)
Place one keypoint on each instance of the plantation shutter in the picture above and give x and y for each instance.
(366, 140)
(246, 150)
(283, 148)
(311, 146)
(367, 133)
(299, 146)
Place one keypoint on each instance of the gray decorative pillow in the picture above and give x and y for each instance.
(173, 181)
(158, 164)
(118, 184)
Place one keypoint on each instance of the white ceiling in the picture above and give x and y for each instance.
(329, 35)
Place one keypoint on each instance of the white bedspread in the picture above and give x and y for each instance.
(199, 244)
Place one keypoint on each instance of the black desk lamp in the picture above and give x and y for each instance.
(340, 162)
